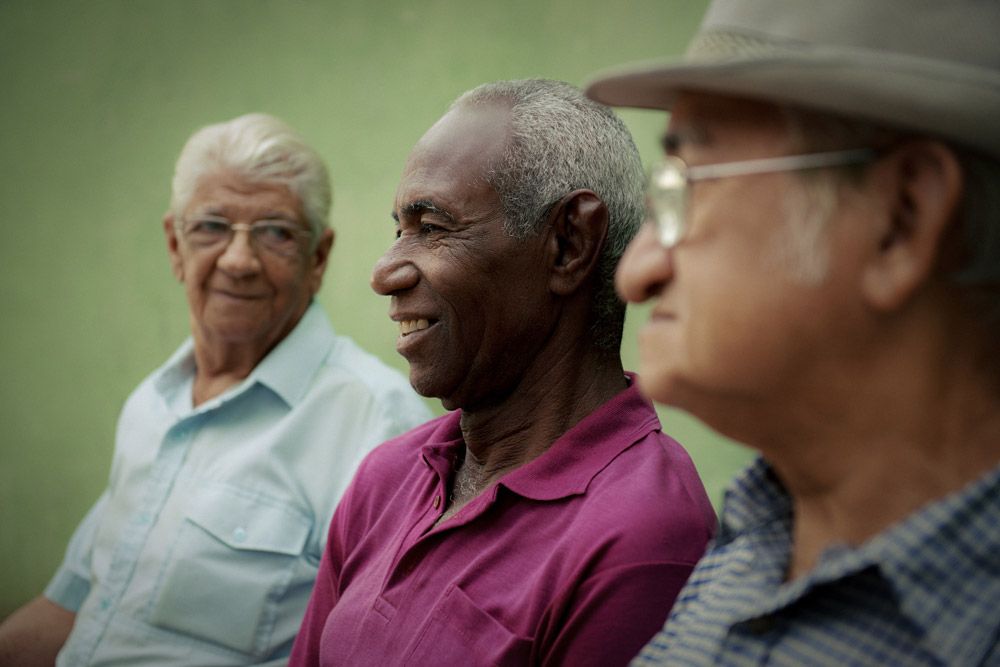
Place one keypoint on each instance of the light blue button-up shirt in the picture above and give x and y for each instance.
(204, 546)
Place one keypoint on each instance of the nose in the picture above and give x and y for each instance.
(239, 258)
(645, 268)
(393, 272)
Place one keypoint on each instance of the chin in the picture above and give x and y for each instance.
(653, 387)
(423, 384)
(430, 386)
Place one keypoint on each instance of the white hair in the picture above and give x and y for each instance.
(260, 148)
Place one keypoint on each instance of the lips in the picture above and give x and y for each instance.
(245, 296)
(414, 330)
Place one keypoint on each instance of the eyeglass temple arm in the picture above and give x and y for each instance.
(782, 163)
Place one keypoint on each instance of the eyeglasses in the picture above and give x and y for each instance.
(281, 237)
(667, 186)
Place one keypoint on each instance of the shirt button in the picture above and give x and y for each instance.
(105, 603)
(239, 535)
(437, 502)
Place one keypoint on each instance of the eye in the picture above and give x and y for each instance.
(209, 227)
(430, 228)
(274, 232)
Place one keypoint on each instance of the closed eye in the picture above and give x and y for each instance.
(210, 227)
(275, 232)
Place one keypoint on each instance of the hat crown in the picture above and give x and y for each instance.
(959, 31)
(929, 67)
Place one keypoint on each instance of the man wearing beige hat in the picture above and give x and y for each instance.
(823, 262)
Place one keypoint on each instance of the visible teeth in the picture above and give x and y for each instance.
(409, 326)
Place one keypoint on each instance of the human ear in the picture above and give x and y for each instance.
(173, 249)
(923, 181)
(319, 258)
(577, 233)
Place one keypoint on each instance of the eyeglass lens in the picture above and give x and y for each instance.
(277, 236)
(666, 192)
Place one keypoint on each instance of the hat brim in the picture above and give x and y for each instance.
(954, 102)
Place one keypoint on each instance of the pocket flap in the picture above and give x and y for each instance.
(247, 522)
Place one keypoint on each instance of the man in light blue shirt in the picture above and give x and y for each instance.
(231, 457)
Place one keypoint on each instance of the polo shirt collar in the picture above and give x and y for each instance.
(443, 444)
(573, 460)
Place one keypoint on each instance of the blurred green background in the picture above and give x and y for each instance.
(98, 98)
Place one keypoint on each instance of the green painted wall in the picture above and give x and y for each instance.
(98, 98)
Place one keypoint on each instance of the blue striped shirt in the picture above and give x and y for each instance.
(926, 591)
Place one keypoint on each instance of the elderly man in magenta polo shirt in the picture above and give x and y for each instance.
(230, 458)
(547, 519)
(823, 261)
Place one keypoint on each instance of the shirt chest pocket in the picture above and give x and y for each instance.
(457, 631)
(232, 562)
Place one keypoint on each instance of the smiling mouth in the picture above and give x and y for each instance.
(242, 297)
(406, 327)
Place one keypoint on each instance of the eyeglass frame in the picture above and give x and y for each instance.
(249, 228)
(672, 225)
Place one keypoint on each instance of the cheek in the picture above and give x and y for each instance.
(194, 273)
(660, 353)
(727, 326)
(288, 282)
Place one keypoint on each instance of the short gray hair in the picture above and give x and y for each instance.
(972, 262)
(261, 148)
(561, 141)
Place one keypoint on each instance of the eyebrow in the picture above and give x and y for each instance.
(422, 206)
(271, 214)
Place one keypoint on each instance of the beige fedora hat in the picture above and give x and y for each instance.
(931, 66)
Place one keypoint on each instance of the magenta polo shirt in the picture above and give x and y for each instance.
(572, 559)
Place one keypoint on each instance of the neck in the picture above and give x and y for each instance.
(549, 400)
(915, 424)
(221, 365)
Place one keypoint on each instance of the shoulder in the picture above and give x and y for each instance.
(350, 363)
(151, 394)
(395, 458)
(391, 475)
(351, 359)
(652, 501)
(350, 376)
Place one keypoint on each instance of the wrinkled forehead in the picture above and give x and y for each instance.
(449, 164)
(465, 137)
(231, 194)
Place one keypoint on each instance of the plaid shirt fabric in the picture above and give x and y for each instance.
(926, 591)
